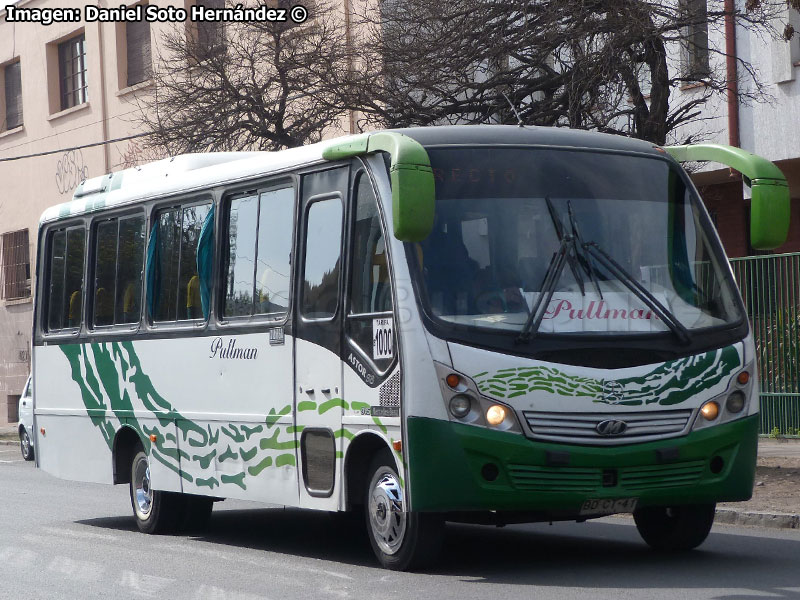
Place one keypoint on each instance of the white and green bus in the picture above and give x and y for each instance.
(480, 324)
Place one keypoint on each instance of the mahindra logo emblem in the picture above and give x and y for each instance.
(611, 427)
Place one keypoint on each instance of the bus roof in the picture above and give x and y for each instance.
(525, 136)
(189, 172)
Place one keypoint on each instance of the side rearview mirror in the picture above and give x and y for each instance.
(769, 206)
(411, 176)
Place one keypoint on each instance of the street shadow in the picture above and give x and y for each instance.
(596, 555)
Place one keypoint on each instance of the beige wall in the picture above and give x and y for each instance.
(32, 184)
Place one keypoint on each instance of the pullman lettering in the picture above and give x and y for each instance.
(220, 350)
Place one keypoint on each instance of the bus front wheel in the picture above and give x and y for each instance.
(675, 528)
(401, 540)
(155, 511)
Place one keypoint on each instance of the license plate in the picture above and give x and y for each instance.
(608, 506)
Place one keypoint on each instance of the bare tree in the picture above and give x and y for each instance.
(607, 65)
(247, 85)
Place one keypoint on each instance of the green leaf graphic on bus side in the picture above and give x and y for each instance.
(112, 382)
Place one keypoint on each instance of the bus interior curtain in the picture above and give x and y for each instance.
(153, 272)
(205, 260)
(678, 257)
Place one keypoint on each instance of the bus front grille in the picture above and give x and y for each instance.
(587, 428)
(590, 479)
(551, 479)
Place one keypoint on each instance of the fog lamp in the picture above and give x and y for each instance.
(460, 406)
(735, 402)
(496, 415)
(710, 410)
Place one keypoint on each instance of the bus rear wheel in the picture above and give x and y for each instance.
(675, 528)
(155, 511)
(401, 540)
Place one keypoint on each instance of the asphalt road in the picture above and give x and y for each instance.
(61, 539)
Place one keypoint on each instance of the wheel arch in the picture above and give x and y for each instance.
(357, 462)
(124, 449)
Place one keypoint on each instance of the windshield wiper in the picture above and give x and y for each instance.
(551, 278)
(641, 292)
(584, 259)
(559, 227)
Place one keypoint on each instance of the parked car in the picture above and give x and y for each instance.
(26, 421)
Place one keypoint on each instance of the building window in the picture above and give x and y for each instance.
(12, 76)
(137, 42)
(694, 57)
(208, 36)
(16, 265)
(72, 72)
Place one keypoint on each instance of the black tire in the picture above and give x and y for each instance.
(25, 444)
(154, 511)
(675, 528)
(401, 540)
(196, 513)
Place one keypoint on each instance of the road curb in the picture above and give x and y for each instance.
(758, 519)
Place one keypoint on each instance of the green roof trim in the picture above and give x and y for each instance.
(769, 207)
(413, 189)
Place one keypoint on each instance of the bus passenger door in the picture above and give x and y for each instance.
(318, 366)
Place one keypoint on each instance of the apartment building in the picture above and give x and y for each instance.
(62, 85)
(769, 128)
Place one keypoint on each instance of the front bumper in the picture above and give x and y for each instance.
(448, 472)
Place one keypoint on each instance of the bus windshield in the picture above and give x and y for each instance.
(613, 243)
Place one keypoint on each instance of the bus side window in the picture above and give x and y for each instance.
(119, 253)
(275, 227)
(175, 286)
(370, 283)
(58, 246)
(322, 259)
(66, 278)
(259, 244)
(128, 297)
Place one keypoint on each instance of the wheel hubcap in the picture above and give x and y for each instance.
(143, 495)
(386, 515)
(26, 444)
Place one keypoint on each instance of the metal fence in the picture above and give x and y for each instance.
(770, 286)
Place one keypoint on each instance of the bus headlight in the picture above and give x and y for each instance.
(496, 415)
(710, 410)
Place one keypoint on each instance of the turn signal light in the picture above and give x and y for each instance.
(41, 431)
(743, 377)
(453, 380)
(397, 445)
(710, 410)
(153, 437)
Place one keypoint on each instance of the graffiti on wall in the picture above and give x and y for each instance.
(71, 171)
